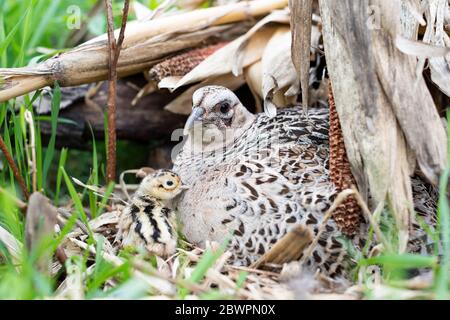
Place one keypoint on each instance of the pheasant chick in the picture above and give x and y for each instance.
(147, 222)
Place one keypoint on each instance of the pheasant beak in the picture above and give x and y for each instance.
(196, 116)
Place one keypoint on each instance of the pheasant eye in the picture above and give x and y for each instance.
(225, 107)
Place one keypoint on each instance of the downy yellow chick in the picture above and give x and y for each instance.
(147, 222)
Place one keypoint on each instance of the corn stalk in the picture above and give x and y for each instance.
(388, 117)
(144, 44)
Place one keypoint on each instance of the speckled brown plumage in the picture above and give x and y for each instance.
(183, 63)
(347, 215)
(253, 179)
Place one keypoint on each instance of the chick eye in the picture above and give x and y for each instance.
(169, 183)
(224, 107)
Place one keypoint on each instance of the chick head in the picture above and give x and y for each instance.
(161, 184)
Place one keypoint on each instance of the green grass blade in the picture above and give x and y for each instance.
(132, 289)
(77, 201)
(49, 13)
(61, 164)
(67, 228)
(26, 31)
(10, 216)
(401, 261)
(49, 154)
(7, 139)
(103, 271)
(206, 262)
(442, 276)
(59, 120)
(39, 173)
(3, 55)
(105, 127)
(19, 137)
(93, 198)
(10, 37)
(108, 192)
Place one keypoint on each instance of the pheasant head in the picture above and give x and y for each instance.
(217, 110)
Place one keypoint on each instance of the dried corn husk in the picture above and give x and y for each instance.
(435, 34)
(420, 49)
(222, 61)
(253, 77)
(144, 44)
(301, 24)
(172, 69)
(235, 56)
(280, 84)
(382, 121)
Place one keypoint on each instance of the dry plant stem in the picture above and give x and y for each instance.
(14, 168)
(32, 146)
(145, 268)
(114, 52)
(88, 62)
(67, 215)
(252, 270)
(369, 216)
(123, 185)
(99, 191)
(289, 248)
(301, 24)
(141, 267)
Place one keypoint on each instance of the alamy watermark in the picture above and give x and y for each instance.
(74, 18)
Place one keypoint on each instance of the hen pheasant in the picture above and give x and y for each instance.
(257, 177)
(147, 223)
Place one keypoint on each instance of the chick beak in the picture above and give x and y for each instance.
(196, 116)
(184, 187)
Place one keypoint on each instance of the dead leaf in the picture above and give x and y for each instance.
(40, 224)
(435, 34)
(223, 60)
(420, 49)
(235, 56)
(253, 77)
(279, 78)
(289, 248)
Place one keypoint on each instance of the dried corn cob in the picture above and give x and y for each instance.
(348, 215)
(181, 64)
